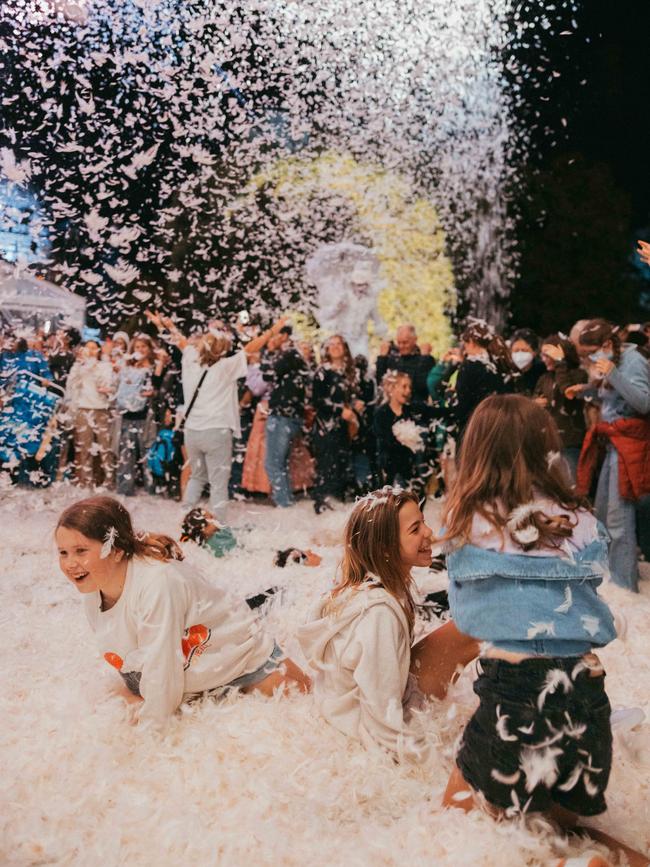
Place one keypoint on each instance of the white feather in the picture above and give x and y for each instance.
(502, 726)
(555, 678)
(539, 766)
(109, 541)
(568, 601)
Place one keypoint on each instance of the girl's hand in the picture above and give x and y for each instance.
(452, 355)
(573, 391)
(279, 325)
(604, 366)
(541, 401)
(155, 319)
(554, 352)
(348, 414)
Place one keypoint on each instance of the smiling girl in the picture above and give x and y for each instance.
(170, 634)
(359, 641)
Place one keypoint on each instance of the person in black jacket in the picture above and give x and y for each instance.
(486, 369)
(405, 435)
(407, 358)
(287, 372)
(524, 351)
(334, 391)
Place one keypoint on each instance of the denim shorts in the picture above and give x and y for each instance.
(541, 735)
(272, 664)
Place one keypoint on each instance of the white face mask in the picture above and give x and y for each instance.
(522, 359)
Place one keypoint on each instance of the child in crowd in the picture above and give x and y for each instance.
(526, 558)
(295, 555)
(359, 640)
(170, 634)
(200, 526)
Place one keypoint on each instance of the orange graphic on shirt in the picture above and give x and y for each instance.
(195, 640)
(114, 660)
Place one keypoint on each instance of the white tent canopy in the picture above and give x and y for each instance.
(26, 299)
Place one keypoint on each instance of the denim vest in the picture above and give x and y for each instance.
(542, 606)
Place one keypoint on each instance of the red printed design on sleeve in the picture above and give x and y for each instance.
(195, 640)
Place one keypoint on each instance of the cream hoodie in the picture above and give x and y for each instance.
(171, 634)
(86, 377)
(359, 646)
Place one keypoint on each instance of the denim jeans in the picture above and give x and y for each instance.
(210, 456)
(619, 516)
(132, 453)
(280, 431)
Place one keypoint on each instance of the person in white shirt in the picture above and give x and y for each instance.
(359, 640)
(213, 417)
(171, 635)
(89, 390)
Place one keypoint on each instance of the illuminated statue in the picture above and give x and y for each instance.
(348, 282)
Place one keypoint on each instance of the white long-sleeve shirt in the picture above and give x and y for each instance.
(359, 646)
(86, 377)
(171, 634)
(217, 403)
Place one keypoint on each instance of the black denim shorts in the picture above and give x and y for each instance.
(541, 735)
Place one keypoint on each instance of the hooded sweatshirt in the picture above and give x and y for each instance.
(172, 635)
(359, 646)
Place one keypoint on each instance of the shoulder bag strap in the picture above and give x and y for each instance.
(193, 401)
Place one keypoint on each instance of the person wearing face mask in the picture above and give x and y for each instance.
(524, 348)
(622, 387)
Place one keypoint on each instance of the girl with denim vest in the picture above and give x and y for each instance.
(525, 559)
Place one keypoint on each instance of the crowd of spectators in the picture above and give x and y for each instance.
(241, 412)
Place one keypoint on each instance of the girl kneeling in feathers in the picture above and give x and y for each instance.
(359, 641)
(170, 634)
(526, 556)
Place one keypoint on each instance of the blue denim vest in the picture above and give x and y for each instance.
(543, 606)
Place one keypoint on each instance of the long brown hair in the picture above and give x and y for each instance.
(483, 335)
(101, 518)
(599, 331)
(349, 366)
(509, 458)
(372, 547)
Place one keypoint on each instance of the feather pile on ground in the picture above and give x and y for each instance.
(250, 779)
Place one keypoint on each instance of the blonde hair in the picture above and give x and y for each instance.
(212, 347)
(389, 380)
(372, 548)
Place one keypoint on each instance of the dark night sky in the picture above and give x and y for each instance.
(590, 190)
